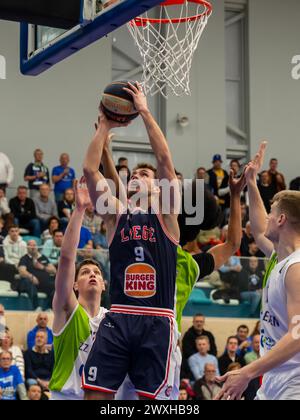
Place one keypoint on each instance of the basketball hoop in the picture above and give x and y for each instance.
(167, 44)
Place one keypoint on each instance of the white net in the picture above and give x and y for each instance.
(167, 47)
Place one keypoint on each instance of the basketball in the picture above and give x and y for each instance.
(117, 104)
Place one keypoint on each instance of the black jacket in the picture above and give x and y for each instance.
(213, 183)
(189, 345)
(23, 212)
(225, 361)
(38, 365)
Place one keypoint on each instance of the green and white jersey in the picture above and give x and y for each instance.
(188, 273)
(270, 267)
(71, 350)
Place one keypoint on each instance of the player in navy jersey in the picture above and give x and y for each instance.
(138, 336)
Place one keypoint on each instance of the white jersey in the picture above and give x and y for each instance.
(274, 326)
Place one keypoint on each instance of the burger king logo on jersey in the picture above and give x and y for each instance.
(140, 281)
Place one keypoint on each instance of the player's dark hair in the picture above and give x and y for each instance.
(88, 261)
(145, 166)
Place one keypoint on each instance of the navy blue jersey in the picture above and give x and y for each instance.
(143, 262)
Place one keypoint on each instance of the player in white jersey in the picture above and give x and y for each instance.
(280, 329)
(76, 321)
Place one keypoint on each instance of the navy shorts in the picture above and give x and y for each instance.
(142, 346)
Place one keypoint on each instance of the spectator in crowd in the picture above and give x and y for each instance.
(246, 239)
(230, 356)
(186, 384)
(100, 241)
(36, 174)
(198, 360)
(2, 321)
(295, 184)
(249, 247)
(23, 209)
(85, 238)
(218, 179)
(42, 321)
(44, 205)
(51, 248)
(123, 161)
(66, 207)
(14, 247)
(11, 382)
(183, 394)
(207, 388)
(251, 284)
(7, 344)
(6, 171)
(234, 366)
(7, 271)
(5, 212)
(53, 225)
(197, 330)
(245, 213)
(243, 342)
(230, 274)
(254, 354)
(267, 189)
(92, 221)
(63, 177)
(124, 174)
(251, 357)
(256, 331)
(277, 178)
(202, 174)
(209, 238)
(224, 190)
(39, 362)
(35, 393)
(37, 274)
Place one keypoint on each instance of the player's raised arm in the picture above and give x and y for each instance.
(223, 252)
(97, 184)
(257, 211)
(286, 348)
(64, 301)
(165, 166)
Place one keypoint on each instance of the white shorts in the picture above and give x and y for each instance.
(278, 388)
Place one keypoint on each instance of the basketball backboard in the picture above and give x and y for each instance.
(42, 47)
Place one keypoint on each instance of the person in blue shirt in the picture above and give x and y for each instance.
(11, 381)
(42, 324)
(85, 238)
(62, 177)
(198, 361)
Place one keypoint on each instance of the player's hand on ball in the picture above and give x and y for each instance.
(103, 121)
(140, 100)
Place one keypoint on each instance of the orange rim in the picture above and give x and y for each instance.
(144, 21)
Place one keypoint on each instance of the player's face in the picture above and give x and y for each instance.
(141, 181)
(272, 231)
(90, 280)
